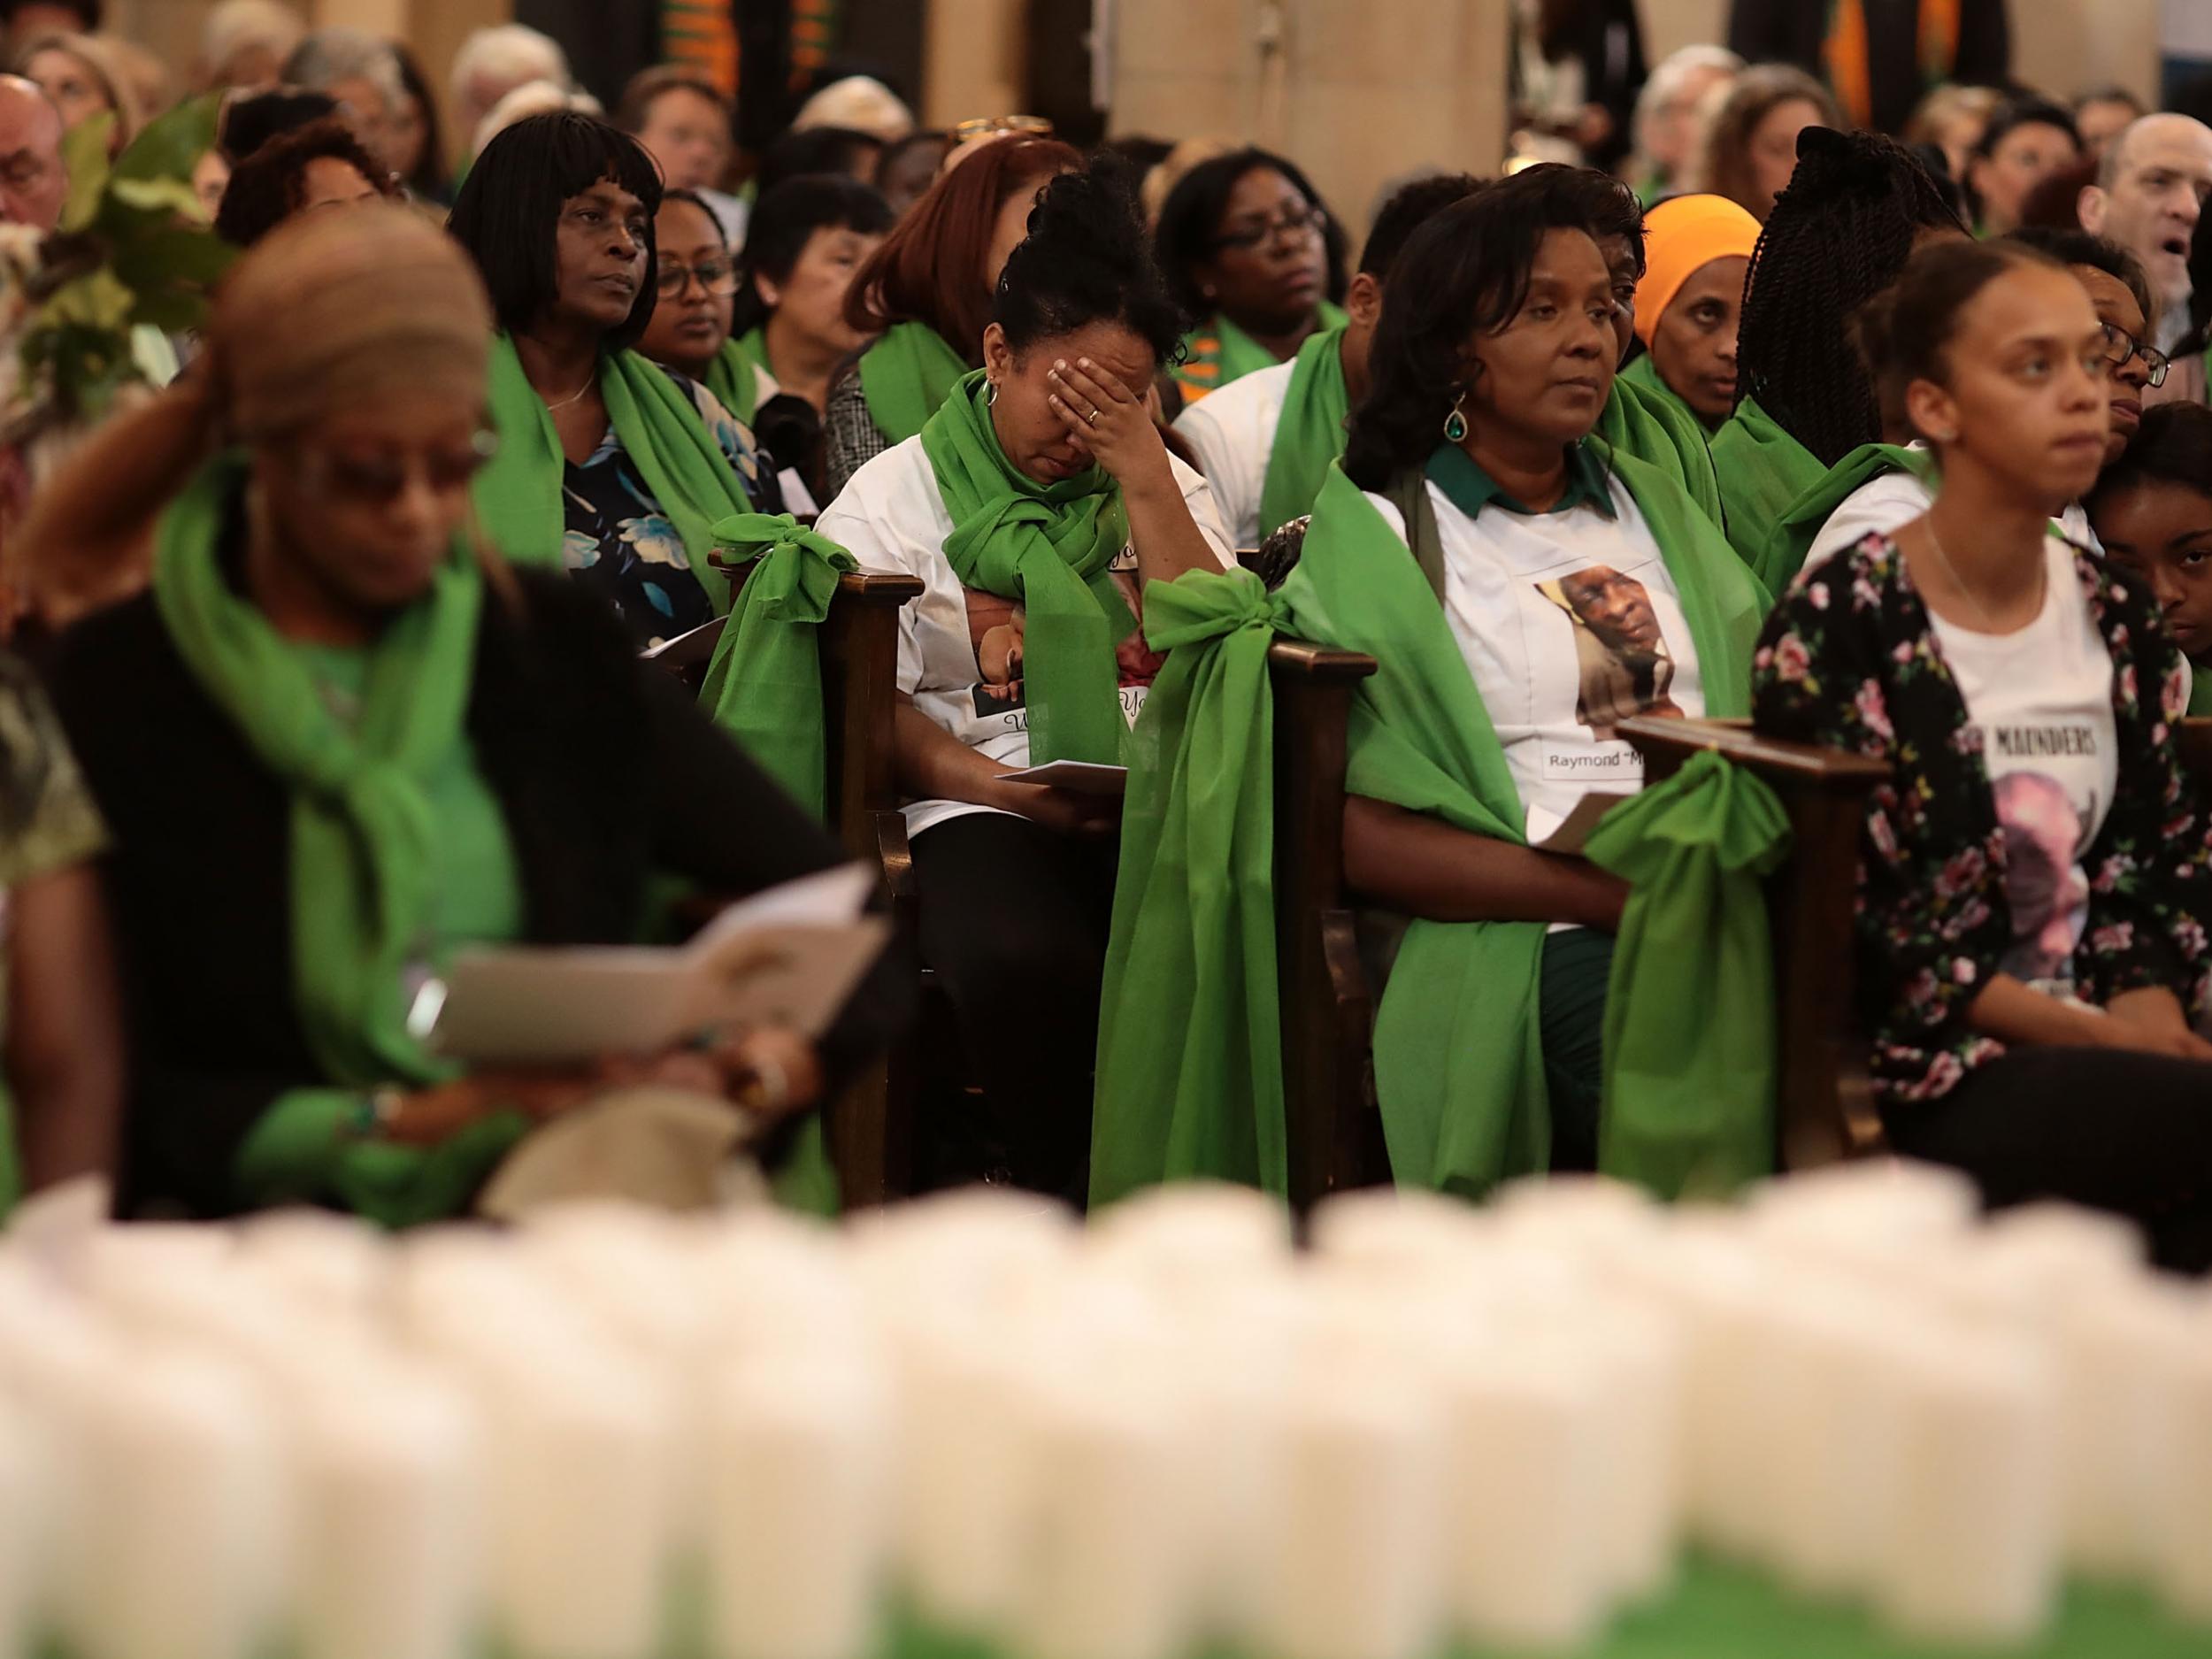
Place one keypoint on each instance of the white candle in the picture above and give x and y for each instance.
(180, 1514)
(1972, 1555)
(20, 1497)
(388, 1546)
(798, 1513)
(2184, 1556)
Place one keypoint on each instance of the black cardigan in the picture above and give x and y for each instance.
(606, 768)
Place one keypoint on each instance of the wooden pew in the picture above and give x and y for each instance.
(1334, 1129)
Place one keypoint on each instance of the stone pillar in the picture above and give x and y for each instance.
(973, 55)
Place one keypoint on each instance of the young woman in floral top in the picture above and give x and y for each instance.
(2031, 880)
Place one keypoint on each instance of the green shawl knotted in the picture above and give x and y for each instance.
(1218, 351)
(1310, 433)
(1762, 469)
(765, 685)
(1803, 519)
(1458, 1055)
(906, 377)
(1050, 547)
(518, 493)
(734, 376)
(1659, 431)
(363, 858)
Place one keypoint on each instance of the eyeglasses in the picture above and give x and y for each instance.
(380, 481)
(2119, 346)
(1297, 224)
(716, 277)
(984, 126)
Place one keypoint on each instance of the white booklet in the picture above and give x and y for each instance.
(1083, 776)
(789, 956)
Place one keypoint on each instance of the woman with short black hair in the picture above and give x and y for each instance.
(808, 238)
(1251, 248)
(617, 467)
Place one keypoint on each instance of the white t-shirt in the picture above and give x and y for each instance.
(891, 517)
(2041, 699)
(1569, 622)
(1233, 433)
(1889, 503)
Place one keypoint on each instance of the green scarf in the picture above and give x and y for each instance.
(1218, 351)
(1661, 433)
(1645, 376)
(1050, 547)
(1310, 433)
(1803, 519)
(773, 708)
(1684, 1116)
(1458, 1055)
(362, 827)
(906, 377)
(2200, 688)
(734, 377)
(1762, 469)
(519, 495)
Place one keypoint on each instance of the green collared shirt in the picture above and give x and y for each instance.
(1468, 488)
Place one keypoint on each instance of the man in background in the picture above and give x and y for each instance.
(34, 179)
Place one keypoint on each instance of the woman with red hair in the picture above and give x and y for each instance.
(926, 291)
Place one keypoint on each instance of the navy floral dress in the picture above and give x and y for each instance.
(619, 542)
(1849, 660)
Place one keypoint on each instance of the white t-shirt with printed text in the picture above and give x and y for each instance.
(891, 517)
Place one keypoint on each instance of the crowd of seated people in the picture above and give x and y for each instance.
(335, 647)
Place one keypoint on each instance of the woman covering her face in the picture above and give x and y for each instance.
(1527, 589)
(331, 693)
(2031, 959)
(614, 465)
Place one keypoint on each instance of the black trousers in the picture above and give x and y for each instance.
(1014, 919)
(2131, 1133)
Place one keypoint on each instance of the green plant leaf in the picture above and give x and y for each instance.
(170, 197)
(171, 146)
(84, 153)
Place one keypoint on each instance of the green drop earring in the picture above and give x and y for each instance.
(1455, 423)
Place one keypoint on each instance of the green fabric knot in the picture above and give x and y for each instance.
(1690, 1063)
(798, 569)
(1205, 605)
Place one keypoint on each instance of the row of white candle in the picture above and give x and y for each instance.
(1104, 1443)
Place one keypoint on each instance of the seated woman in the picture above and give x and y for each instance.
(1751, 144)
(2029, 957)
(1881, 487)
(1857, 209)
(1697, 250)
(697, 281)
(1249, 245)
(1523, 592)
(82, 77)
(62, 1027)
(684, 122)
(613, 466)
(2026, 140)
(331, 695)
(2152, 510)
(1266, 442)
(809, 236)
(321, 165)
(1041, 489)
(925, 297)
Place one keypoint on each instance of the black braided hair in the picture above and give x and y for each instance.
(1838, 236)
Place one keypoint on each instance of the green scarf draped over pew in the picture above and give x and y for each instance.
(1762, 469)
(1803, 519)
(734, 376)
(1458, 1059)
(1310, 434)
(1051, 547)
(517, 494)
(906, 377)
(363, 828)
(773, 707)
(1658, 429)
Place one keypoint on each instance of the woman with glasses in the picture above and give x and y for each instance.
(697, 285)
(1250, 247)
(333, 694)
(1880, 488)
(619, 467)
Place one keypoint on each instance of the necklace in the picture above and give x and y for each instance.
(555, 409)
(1989, 624)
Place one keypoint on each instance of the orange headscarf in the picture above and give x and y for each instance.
(1681, 237)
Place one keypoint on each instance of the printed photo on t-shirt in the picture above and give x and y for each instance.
(997, 628)
(1624, 665)
(2046, 888)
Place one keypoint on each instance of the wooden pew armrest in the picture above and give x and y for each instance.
(890, 588)
(1300, 661)
(1666, 743)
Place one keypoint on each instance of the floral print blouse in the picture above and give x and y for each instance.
(619, 542)
(1849, 660)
